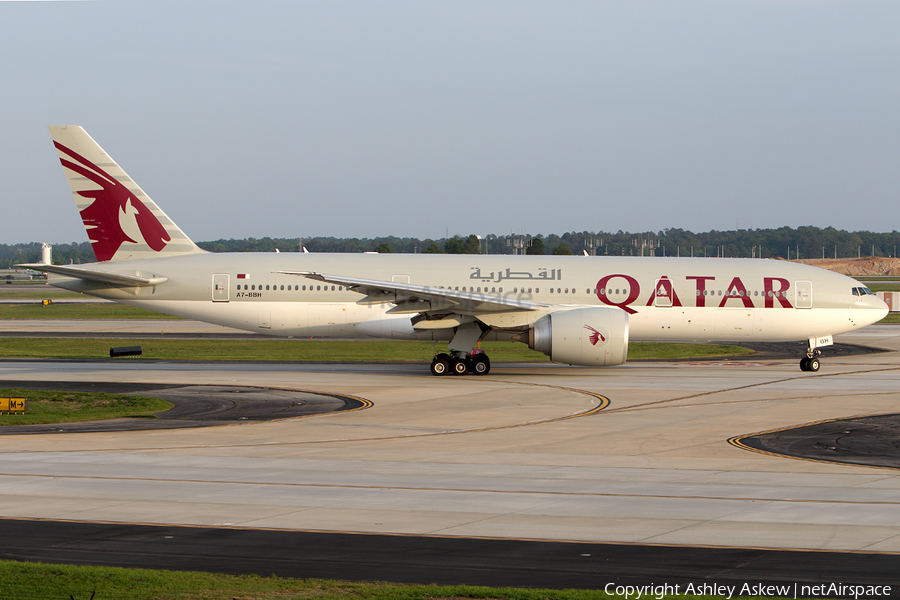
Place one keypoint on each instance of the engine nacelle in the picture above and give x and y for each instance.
(591, 337)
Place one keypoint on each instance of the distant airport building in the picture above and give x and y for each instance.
(892, 299)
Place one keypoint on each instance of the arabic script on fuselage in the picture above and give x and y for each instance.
(509, 274)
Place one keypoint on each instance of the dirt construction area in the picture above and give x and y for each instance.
(857, 267)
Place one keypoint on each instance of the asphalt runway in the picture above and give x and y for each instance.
(478, 479)
(438, 560)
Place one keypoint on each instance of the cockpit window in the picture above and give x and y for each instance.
(862, 291)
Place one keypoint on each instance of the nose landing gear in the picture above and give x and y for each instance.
(810, 362)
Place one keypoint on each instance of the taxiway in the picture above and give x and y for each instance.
(635, 455)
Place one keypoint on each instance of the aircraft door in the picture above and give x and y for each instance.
(663, 293)
(804, 294)
(220, 287)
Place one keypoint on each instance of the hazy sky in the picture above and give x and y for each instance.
(309, 118)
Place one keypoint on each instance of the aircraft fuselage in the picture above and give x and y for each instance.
(686, 299)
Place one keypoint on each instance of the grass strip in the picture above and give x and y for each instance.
(304, 350)
(105, 310)
(40, 294)
(32, 581)
(70, 407)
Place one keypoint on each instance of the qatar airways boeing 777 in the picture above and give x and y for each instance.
(579, 310)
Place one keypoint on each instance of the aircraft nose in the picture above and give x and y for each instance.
(877, 303)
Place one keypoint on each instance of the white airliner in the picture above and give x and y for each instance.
(579, 310)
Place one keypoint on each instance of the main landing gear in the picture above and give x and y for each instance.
(459, 363)
(810, 362)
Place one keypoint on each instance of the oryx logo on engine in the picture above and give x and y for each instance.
(595, 336)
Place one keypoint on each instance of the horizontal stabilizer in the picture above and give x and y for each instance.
(95, 275)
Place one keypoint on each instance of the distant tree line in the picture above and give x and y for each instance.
(62, 253)
(786, 242)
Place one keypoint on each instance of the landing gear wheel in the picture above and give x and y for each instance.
(481, 364)
(458, 366)
(810, 363)
(440, 365)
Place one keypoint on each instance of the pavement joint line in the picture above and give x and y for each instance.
(641, 407)
(461, 490)
(745, 387)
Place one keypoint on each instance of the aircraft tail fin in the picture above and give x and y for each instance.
(122, 222)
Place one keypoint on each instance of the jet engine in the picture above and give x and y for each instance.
(591, 337)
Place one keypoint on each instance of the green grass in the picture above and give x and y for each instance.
(891, 318)
(69, 407)
(303, 350)
(876, 277)
(78, 311)
(38, 295)
(673, 351)
(32, 581)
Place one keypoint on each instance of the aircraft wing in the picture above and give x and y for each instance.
(420, 299)
(97, 275)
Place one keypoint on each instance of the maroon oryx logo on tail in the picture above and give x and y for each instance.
(595, 336)
(112, 203)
